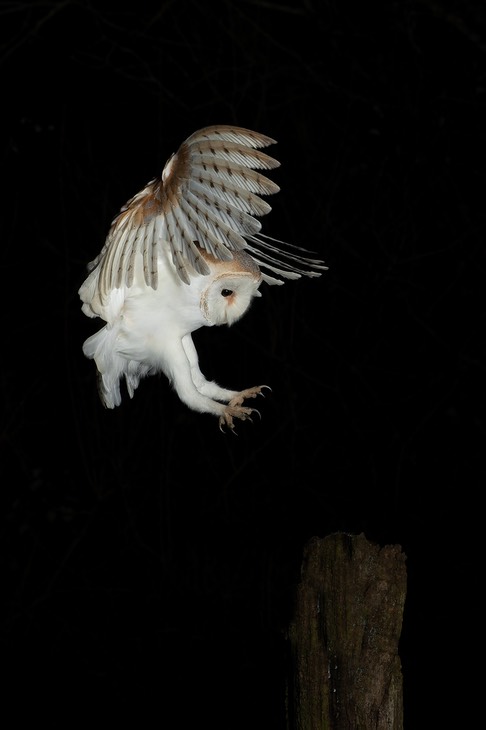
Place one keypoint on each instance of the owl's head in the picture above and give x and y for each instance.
(231, 289)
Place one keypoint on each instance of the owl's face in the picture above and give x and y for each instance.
(228, 297)
(232, 286)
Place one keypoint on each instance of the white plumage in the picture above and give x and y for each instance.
(183, 253)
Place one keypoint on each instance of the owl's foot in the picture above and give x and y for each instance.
(248, 393)
(235, 409)
(231, 412)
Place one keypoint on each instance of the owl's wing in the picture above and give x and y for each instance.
(206, 198)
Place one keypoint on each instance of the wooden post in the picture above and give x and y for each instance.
(345, 668)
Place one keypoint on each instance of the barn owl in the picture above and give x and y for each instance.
(183, 253)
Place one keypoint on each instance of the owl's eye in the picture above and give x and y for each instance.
(226, 292)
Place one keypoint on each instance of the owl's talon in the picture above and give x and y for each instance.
(235, 410)
(223, 422)
(248, 393)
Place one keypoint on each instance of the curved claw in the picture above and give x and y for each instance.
(223, 425)
(264, 386)
(231, 429)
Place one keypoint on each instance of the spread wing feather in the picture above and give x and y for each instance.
(238, 199)
(207, 199)
(233, 152)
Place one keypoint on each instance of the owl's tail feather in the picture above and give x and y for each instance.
(112, 366)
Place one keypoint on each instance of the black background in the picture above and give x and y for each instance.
(148, 560)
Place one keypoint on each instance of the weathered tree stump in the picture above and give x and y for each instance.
(345, 667)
